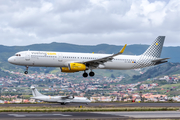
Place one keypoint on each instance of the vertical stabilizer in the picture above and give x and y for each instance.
(155, 49)
(35, 92)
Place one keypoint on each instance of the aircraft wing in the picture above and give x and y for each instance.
(105, 59)
(67, 97)
(64, 97)
(159, 60)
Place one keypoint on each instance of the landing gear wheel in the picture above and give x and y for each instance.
(26, 72)
(62, 103)
(91, 74)
(85, 74)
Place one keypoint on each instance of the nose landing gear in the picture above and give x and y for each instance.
(26, 72)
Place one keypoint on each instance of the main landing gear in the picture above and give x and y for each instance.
(26, 72)
(85, 74)
(91, 74)
(63, 103)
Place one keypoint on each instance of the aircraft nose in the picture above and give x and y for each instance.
(11, 60)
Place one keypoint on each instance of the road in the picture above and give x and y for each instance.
(92, 115)
(101, 105)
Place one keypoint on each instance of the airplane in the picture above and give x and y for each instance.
(58, 99)
(70, 62)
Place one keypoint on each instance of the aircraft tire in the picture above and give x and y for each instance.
(62, 103)
(26, 72)
(85, 74)
(91, 74)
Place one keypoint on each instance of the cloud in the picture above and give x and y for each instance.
(89, 22)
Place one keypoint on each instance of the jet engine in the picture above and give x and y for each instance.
(66, 69)
(77, 67)
(74, 67)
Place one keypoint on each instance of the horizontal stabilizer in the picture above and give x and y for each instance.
(161, 59)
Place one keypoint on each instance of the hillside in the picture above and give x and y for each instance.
(152, 72)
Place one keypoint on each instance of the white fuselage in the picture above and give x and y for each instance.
(60, 99)
(61, 59)
(74, 62)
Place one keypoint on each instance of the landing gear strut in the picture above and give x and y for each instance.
(85, 74)
(26, 72)
(91, 74)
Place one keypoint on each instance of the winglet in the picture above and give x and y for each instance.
(122, 50)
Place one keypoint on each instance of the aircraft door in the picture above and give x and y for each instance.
(60, 57)
(27, 57)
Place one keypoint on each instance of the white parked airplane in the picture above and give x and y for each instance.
(74, 62)
(59, 99)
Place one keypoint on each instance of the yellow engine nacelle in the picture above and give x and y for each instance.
(77, 67)
(66, 69)
(73, 67)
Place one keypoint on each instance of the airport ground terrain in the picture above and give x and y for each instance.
(101, 104)
(92, 115)
(92, 107)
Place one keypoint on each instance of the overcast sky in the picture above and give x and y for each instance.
(89, 22)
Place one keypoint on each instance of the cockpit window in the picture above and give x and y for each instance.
(18, 54)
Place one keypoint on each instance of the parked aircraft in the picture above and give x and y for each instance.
(59, 99)
(74, 62)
